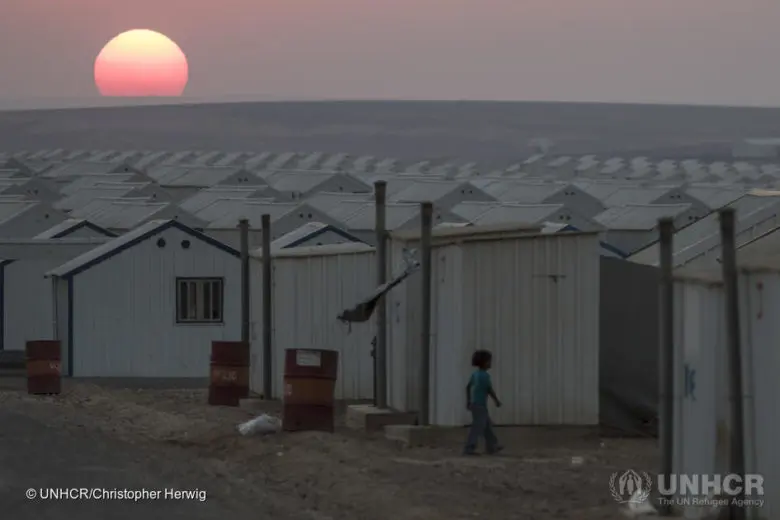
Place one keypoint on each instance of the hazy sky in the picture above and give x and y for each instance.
(679, 51)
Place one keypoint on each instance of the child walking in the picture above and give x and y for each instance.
(478, 390)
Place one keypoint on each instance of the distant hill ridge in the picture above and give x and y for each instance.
(497, 132)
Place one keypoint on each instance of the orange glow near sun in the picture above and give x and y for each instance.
(141, 63)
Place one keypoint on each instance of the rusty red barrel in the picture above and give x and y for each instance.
(229, 380)
(309, 384)
(43, 367)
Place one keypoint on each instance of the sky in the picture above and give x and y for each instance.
(721, 52)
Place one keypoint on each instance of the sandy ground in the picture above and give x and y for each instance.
(346, 474)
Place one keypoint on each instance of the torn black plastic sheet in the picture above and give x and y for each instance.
(365, 309)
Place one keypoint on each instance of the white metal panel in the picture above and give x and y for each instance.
(311, 286)
(760, 305)
(700, 389)
(532, 301)
(450, 349)
(27, 296)
(124, 310)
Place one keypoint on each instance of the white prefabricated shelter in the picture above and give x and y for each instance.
(26, 301)
(311, 287)
(702, 427)
(147, 304)
(532, 299)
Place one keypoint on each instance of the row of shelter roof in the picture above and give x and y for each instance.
(120, 191)
(750, 172)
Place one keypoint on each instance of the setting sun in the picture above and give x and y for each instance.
(141, 63)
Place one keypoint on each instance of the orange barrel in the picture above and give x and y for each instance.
(229, 381)
(309, 383)
(43, 367)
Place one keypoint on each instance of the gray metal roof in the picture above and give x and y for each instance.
(471, 210)
(517, 214)
(11, 208)
(208, 196)
(714, 197)
(432, 191)
(251, 210)
(78, 168)
(54, 231)
(328, 201)
(397, 215)
(638, 217)
(703, 235)
(87, 181)
(635, 195)
(84, 196)
(124, 214)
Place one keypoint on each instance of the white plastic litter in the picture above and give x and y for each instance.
(261, 425)
(639, 506)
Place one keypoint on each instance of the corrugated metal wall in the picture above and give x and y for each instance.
(760, 308)
(702, 429)
(311, 287)
(533, 301)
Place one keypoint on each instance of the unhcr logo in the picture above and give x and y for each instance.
(633, 488)
(630, 487)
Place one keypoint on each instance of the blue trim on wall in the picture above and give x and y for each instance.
(70, 327)
(323, 230)
(156, 231)
(85, 224)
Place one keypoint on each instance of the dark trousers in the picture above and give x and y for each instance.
(481, 426)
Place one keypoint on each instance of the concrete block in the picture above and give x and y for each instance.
(413, 435)
(372, 419)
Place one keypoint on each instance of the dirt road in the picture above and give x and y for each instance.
(115, 438)
(37, 457)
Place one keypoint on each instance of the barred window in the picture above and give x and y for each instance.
(199, 300)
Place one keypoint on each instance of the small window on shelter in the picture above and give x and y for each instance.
(199, 300)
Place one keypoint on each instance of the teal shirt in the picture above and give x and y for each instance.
(480, 387)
